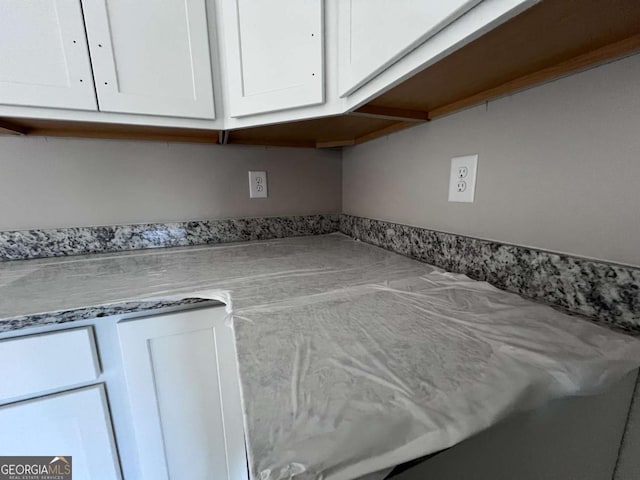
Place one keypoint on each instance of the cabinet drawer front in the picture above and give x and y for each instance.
(75, 424)
(39, 363)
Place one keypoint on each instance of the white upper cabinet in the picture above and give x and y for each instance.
(156, 62)
(374, 34)
(151, 57)
(273, 53)
(43, 55)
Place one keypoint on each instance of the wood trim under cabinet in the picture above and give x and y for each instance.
(65, 128)
(595, 57)
(390, 113)
(335, 144)
(10, 129)
(384, 132)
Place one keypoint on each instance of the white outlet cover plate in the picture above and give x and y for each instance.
(462, 181)
(258, 184)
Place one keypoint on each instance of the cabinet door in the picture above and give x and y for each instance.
(151, 56)
(72, 424)
(184, 394)
(274, 54)
(373, 34)
(44, 61)
(65, 359)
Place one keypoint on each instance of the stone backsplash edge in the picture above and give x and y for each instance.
(57, 242)
(605, 292)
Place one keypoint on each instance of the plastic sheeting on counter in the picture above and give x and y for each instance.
(239, 274)
(345, 383)
(352, 359)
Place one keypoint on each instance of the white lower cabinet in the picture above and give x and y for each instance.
(72, 424)
(184, 397)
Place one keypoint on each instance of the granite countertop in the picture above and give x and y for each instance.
(57, 290)
(352, 359)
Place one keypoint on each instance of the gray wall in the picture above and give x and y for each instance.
(47, 182)
(559, 168)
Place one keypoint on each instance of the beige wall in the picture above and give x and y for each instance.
(559, 168)
(46, 182)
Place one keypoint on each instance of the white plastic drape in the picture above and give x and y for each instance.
(352, 359)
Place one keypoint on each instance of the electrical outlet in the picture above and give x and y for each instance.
(462, 181)
(257, 184)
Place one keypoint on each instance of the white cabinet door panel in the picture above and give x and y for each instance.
(44, 59)
(74, 423)
(274, 54)
(374, 34)
(151, 56)
(65, 359)
(184, 394)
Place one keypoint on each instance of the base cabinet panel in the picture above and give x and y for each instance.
(72, 424)
(183, 393)
(273, 54)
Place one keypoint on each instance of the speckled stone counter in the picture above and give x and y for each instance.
(351, 358)
(605, 292)
(602, 291)
(59, 290)
(60, 242)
